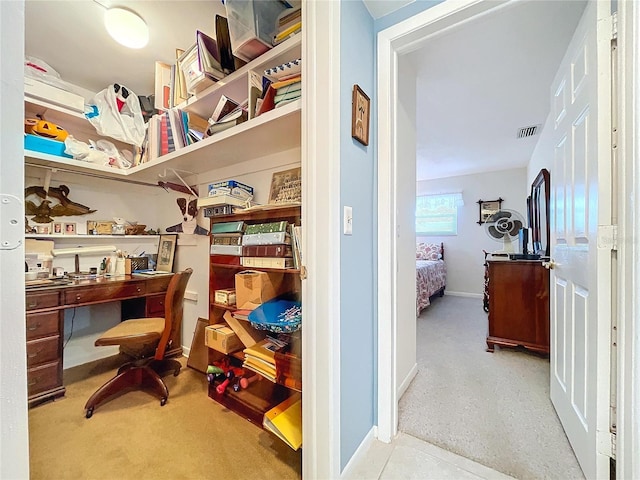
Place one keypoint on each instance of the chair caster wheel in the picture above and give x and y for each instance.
(176, 372)
(163, 401)
(89, 413)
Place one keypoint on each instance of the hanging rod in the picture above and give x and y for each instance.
(93, 175)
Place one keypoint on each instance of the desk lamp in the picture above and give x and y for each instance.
(56, 252)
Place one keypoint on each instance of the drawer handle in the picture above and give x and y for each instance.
(34, 355)
(78, 297)
(35, 327)
(138, 289)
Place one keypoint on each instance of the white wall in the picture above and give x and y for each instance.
(542, 156)
(463, 252)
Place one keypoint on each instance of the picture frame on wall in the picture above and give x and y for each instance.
(166, 253)
(488, 208)
(70, 228)
(286, 187)
(360, 113)
(58, 228)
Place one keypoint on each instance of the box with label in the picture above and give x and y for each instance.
(226, 296)
(248, 335)
(221, 338)
(230, 187)
(254, 288)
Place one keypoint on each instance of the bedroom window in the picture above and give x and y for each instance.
(438, 214)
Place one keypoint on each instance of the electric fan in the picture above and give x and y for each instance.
(504, 225)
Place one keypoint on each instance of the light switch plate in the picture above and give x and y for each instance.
(348, 220)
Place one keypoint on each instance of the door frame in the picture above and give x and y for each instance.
(410, 35)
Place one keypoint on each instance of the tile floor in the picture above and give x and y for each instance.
(410, 458)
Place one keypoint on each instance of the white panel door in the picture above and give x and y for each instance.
(580, 206)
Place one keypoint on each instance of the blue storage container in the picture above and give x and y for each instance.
(45, 145)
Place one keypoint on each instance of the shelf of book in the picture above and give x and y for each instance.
(240, 267)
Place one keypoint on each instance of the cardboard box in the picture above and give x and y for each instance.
(254, 288)
(226, 296)
(246, 333)
(221, 338)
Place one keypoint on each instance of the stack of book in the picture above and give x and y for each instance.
(260, 357)
(226, 242)
(282, 85)
(267, 245)
(227, 114)
(288, 24)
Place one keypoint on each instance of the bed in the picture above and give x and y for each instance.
(431, 273)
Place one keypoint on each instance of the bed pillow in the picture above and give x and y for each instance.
(428, 251)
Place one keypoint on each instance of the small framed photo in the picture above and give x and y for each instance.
(43, 229)
(58, 228)
(286, 186)
(360, 106)
(488, 208)
(70, 228)
(166, 253)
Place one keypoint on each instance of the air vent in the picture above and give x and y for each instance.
(525, 132)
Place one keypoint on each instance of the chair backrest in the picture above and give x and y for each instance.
(173, 302)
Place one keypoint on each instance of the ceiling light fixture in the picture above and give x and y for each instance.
(126, 27)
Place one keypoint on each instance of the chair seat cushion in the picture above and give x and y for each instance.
(137, 331)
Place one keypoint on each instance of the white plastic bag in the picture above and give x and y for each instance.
(115, 112)
(101, 152)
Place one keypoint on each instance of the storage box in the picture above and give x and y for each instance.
(252, 26)
(254, 288)
(230, 187)
(221, 338)
(248, 335)
(37, 89)
(226, 296)
(44, 145)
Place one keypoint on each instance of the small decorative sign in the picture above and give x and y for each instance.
(360, 116)
(488, 208)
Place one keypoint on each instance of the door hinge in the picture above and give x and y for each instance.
(608, 237)
(11, 222)
(303, 272)
(614, 26)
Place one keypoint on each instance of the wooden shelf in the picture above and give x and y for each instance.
(262, 269)
(91, 237)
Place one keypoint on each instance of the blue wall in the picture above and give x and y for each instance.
(358, 251)
(358, 188)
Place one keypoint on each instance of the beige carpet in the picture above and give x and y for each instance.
(491, 408)
(133, 437)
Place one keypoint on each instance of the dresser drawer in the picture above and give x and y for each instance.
(155, 306)
(43, 324)
(43, 350)
(44, 377)
(36, 301)
(102, 292)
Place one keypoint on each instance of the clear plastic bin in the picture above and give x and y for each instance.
(252, 26)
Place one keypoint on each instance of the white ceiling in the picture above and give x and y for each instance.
(477, 85)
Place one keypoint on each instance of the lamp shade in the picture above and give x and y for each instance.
(126, 27)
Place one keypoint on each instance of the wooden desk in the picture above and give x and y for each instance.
(45, 306)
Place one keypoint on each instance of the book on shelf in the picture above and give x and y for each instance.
(177, 127)
(284, 70)
(268, 227)
(201, 64)
(224, 106)
(164, 135)
(231, 120)
(162, 85)
(226, 259)
(267, 262)
(261, 364)
(180, 93)
(267, 250)
(285, 421)
(226, 250)
(287, 32)
(228, 227)
(226, 238)
(266, 238)
(241, 314)
(222, 200)
(257, 369)
(264, 350)
(223, 39)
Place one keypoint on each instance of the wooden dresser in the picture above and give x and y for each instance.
(518, 305)
(45, 306)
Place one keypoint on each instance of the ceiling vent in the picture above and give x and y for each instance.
(525, 132)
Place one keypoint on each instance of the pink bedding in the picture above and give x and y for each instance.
(431, 276)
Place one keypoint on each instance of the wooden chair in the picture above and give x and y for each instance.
(144, 334)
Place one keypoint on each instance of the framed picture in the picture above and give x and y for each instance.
(70, 228)
(58, 228)
(286, 186)
(360, 104)
(488, 208)
(43, 229)
(166, 252)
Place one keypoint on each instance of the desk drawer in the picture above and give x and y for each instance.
(155, 306)
(44, 377)
(43, 350)
(159, 284)
(37, 301)
(103, 292)
(43, 324)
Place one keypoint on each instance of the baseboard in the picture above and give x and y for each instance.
(360, 452)
(463, 294)
(407, 381)
(185, 351)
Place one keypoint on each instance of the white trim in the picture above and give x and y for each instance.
(320, 213)
(400, 38)
(360, 455)
(463, 294)
(628, 360)
(407, 380)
